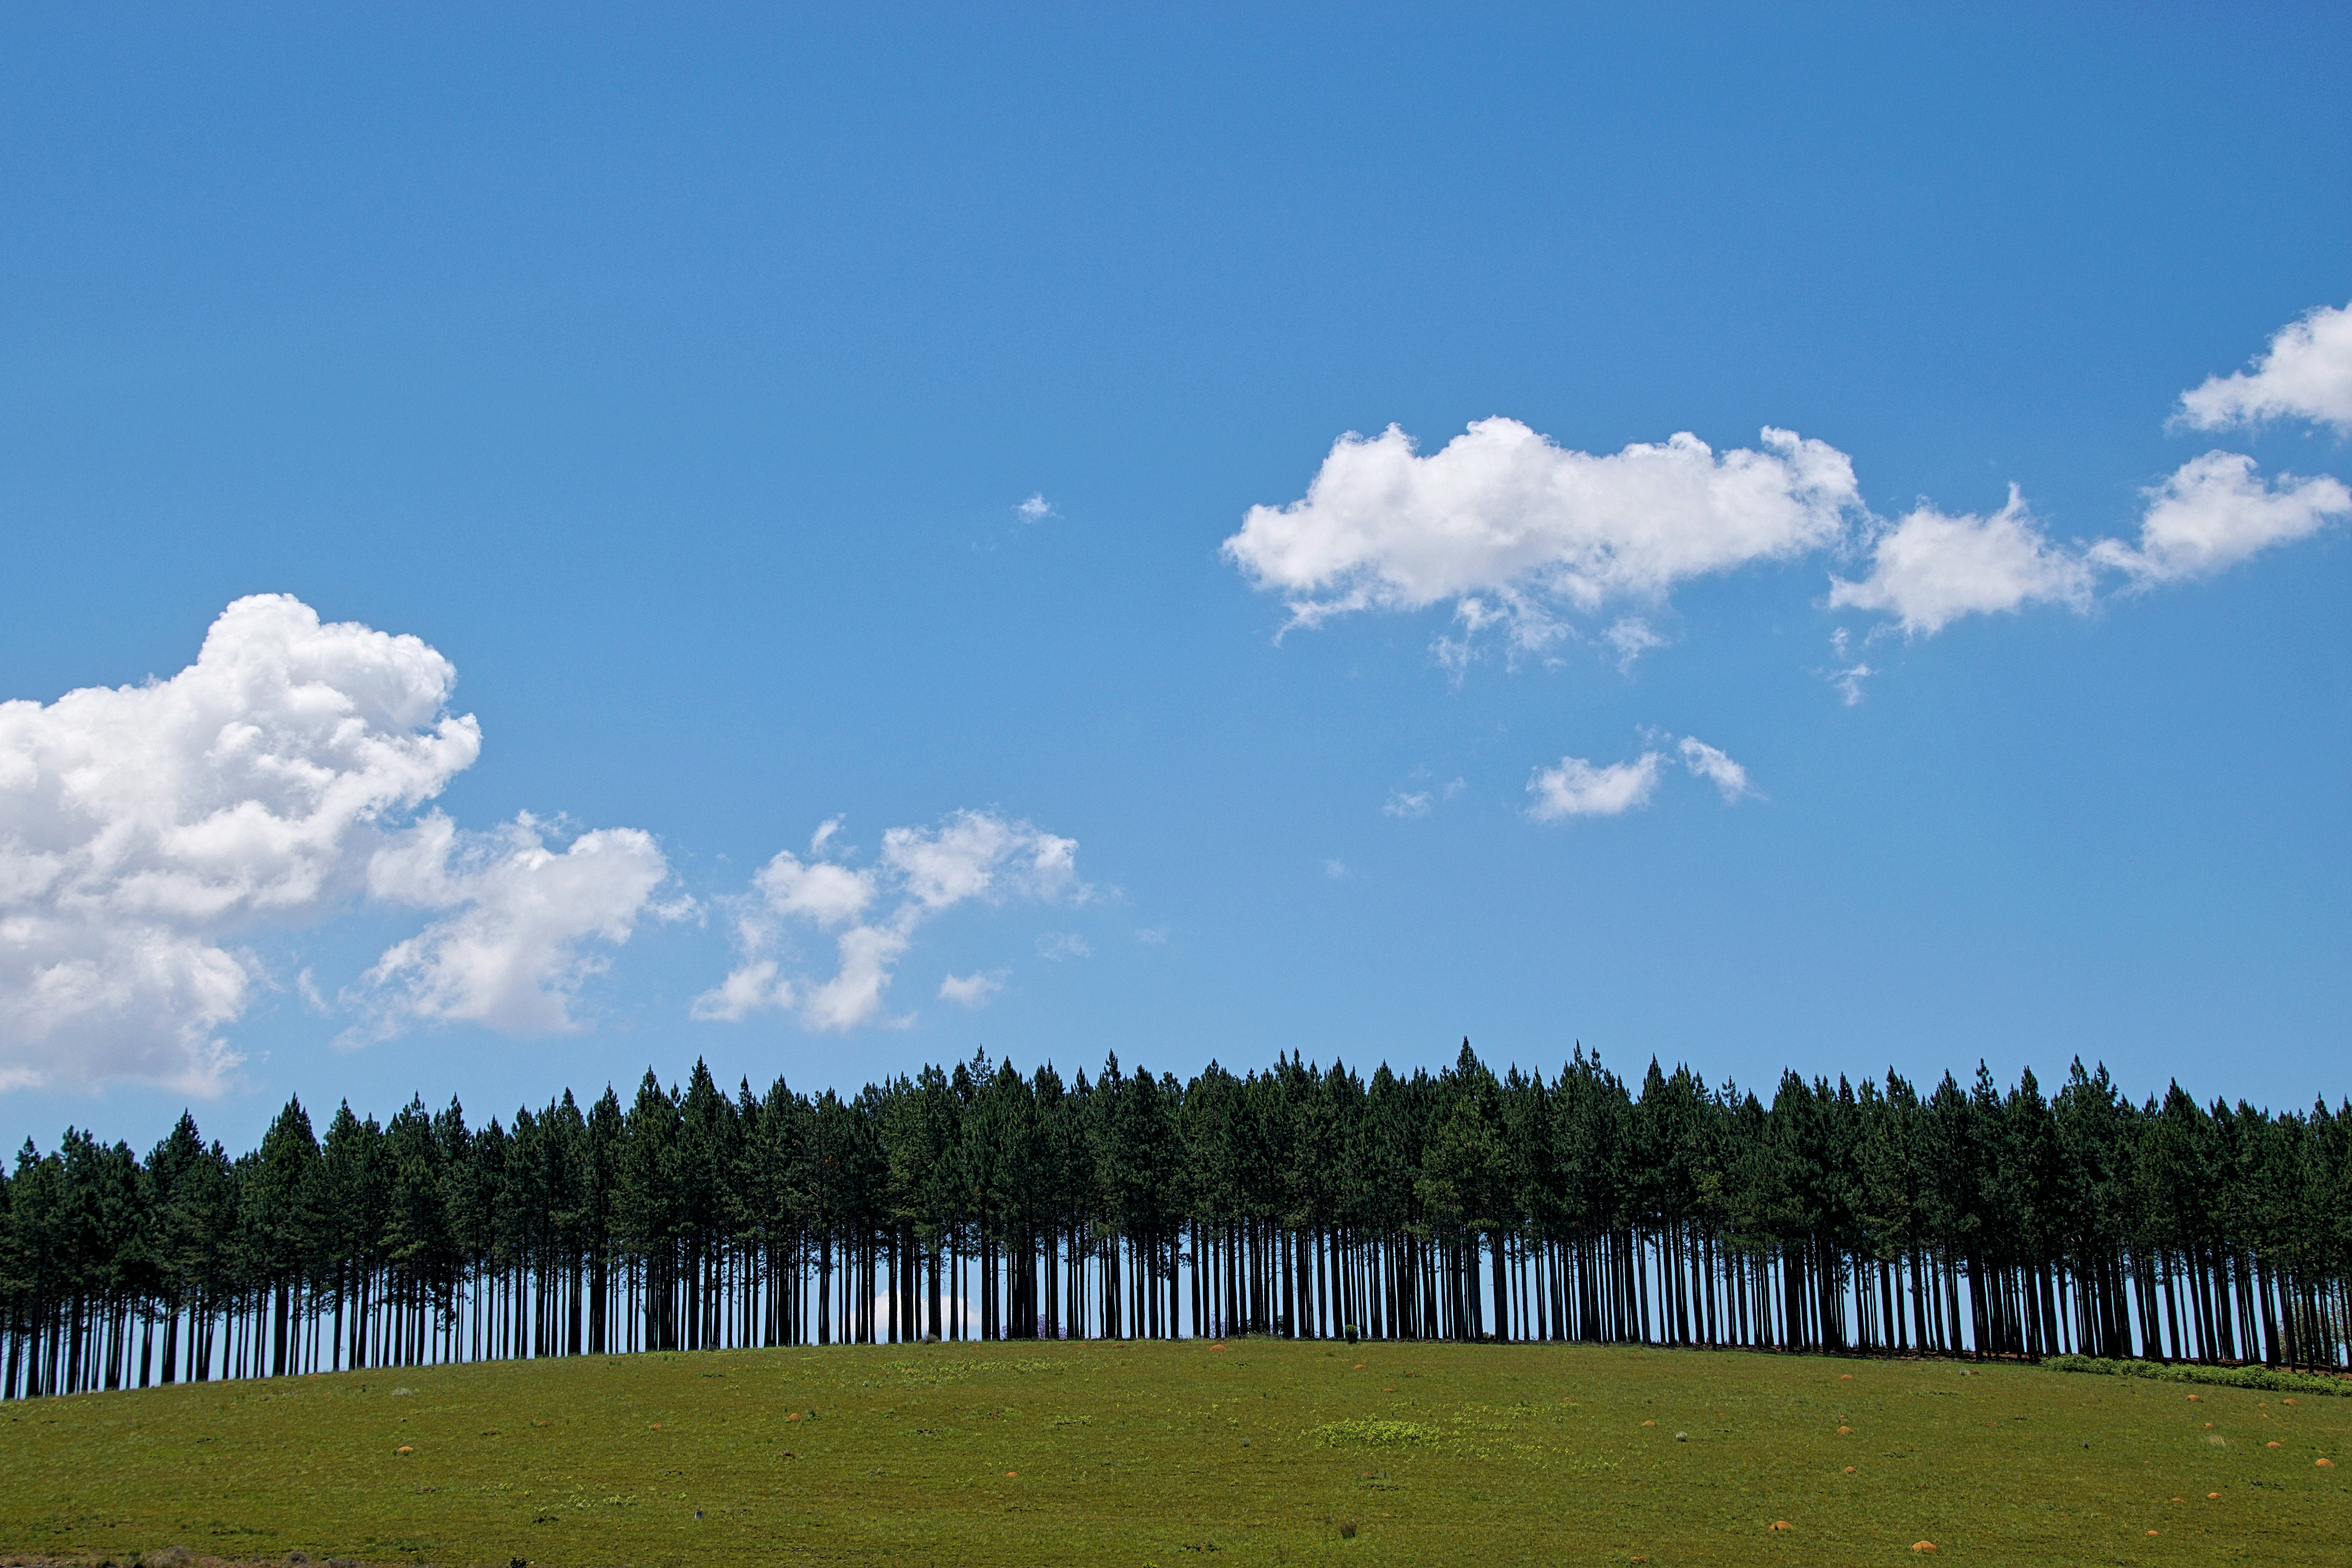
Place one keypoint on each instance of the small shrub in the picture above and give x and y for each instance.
(1347, 1530)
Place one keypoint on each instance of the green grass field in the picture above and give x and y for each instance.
(1171, 1454)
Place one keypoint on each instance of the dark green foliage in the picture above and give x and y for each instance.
(2277, 1380)
(971, 1202)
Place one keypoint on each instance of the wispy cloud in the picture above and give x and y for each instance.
(1061, 946)
(1728, 777)
(974, 990)
(921, 873)
(1846, 678)
(1408, 803)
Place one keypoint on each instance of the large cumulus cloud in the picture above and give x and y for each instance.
(1510, 527)
(149, 834)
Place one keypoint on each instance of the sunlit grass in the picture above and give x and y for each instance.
(1161, 1454)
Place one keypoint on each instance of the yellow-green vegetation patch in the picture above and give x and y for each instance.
(1373, 1433)
(1161, 1455)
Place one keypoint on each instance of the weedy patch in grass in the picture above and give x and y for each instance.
(1373, 1433)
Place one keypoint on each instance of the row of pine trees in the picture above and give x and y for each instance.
(974, 1202)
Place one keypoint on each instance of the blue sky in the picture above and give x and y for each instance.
(677, 386)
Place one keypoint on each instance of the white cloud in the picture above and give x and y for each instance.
(1335, 869)
(2215, 511)
(1847, 677)
(1929, 569)
(1151, 936)
(853, 995)
(1509, 526)
(1036, 508)
(1728, 777)
(514, 950)
(145, 830)
(973, 990)
(819, 890)
(1408, 803)
(753, 987)
(1631, 637)
(921, 872)
(2306, 374)
(979, 855)
(1577, 788)
(148, 833)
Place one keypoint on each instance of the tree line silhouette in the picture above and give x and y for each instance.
(975, 1202)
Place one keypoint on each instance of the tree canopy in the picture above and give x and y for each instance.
(972, 1201)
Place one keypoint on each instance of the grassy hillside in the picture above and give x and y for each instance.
(1168, 1454)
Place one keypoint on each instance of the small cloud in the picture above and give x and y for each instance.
(1408, 803)
(1577, 788)
(1848, 677)
(307, 987)
(973, 990)
(823, 835)
(1930, 569)
(1336, 869)
(1036, 508)
(1849, 680)
(2306, 374)
(1631, 637)
(2215, 510)
(1711, 764)
(1400, 804)
(1151, 936)
(1056, 946)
